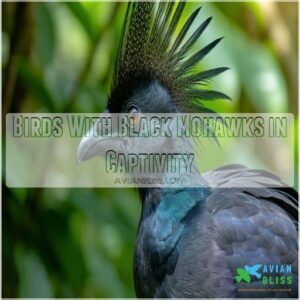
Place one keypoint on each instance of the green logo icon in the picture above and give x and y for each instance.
(243, 274)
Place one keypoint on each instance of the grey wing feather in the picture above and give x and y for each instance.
(254, 224)
(258, 183)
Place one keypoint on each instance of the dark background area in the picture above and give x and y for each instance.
(58, 57)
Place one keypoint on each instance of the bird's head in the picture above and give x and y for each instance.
(154, 69)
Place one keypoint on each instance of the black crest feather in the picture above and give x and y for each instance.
(149, 51)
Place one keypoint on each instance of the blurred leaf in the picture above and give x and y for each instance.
(94, 9)
(258, 13)
(35, 83)
(104, 274)
(263, 80)
(83, 17)
(46, 38)
(65, 247)
(19, 193)
(99, 209)
(90, 99)
(34, 281)
(5, 48)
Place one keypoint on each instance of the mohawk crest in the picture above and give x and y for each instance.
(149, 51)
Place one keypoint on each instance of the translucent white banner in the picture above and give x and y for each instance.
(149, 150)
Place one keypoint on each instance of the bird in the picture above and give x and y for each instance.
(242, 274)
(193, 242)
(253, 270)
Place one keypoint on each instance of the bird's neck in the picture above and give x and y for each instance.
(187, 171)
(172, 203)
(152, 198)
(188, 178)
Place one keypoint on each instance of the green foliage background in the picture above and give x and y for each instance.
(58, 57)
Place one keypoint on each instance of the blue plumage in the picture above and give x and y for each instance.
(195, 253)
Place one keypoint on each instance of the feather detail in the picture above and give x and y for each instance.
(149, 51)
(184, 31)
(206, 95)
(192, 61)
(174, 23)
(191, 41)
(202, 77)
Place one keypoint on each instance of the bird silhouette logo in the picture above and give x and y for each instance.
(243, 274)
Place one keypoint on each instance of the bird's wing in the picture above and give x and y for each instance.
(252, 226)
(235, 175)
(256, 183)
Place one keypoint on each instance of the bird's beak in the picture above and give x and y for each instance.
(88, 147)
(93, 144)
